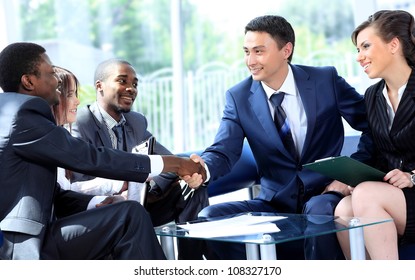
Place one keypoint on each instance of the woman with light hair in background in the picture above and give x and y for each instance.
(65, 115)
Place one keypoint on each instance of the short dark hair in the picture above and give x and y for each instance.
(16, 60)
(276, 26)
(102, 71)
(390, 24)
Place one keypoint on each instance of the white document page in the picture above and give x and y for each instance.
(240, 225)
(138, 191)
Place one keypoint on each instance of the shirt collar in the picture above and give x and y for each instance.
(108, 120)
(288, 86)
(401, 90)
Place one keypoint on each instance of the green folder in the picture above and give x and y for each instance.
(346, 170)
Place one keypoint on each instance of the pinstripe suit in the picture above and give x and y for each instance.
(394, 148)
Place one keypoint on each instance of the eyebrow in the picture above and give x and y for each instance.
(126, 76)
(254, 48)
(362, 43)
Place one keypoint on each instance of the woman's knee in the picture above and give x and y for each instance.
(344, 208)
(364, 191)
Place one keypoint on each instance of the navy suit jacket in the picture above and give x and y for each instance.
(326, 97)
(91, 128)
(31, 148)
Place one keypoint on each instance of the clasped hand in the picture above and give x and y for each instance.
(195, 181)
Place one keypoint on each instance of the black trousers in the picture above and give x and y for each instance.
(119, 231)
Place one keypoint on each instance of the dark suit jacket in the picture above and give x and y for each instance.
(31, 148)
(326, 98)
(394, 148)
(90, 127)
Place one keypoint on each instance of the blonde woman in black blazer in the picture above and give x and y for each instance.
(386, 50)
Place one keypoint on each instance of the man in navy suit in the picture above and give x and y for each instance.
(315, 100)
(38, 219)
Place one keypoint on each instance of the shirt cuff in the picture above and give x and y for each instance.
(157, 165)
(207, 173)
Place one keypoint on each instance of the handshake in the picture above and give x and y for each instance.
(191, 169)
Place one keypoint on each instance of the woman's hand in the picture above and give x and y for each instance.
(399, 179)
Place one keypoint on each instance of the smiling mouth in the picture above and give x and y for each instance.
(127, 98)
(255, 70)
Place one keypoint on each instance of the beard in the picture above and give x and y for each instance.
(123, 110)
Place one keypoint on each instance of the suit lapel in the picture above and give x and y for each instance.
(130, 137)
(259, 103)
(308, 94)
(382, 119)
(102, 130)
(406, 109)
(307, 91)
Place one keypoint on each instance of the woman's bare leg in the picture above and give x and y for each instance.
(344, 209)
(381, 200)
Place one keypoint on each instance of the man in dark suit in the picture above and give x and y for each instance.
(315, 100)
(38, 219)
(116, 84)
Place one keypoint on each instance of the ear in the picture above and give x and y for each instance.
(288, 49)
(394, 45)
(27, 83)
(98, 86)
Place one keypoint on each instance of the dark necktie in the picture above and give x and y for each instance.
(281, 122)
(119, 133)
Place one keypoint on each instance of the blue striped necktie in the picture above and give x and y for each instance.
(281, 122)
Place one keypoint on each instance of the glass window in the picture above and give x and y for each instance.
(188, 52)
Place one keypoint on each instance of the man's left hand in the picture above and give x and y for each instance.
(337, 186)
(110, 200)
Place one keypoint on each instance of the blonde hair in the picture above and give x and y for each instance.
(59, 110)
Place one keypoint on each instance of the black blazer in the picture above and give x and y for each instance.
(394, 148)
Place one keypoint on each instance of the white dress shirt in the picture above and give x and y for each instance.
(293, 107)
(389, 109)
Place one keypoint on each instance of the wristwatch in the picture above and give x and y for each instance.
(413, 178)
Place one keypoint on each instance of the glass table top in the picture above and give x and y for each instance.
(286, 227)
